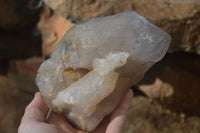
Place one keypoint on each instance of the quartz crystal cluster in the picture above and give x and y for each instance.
(96, 62)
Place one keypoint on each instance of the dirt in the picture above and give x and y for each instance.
(148, 116)
(12, 105)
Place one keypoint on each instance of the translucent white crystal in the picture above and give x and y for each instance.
(98, 83)
(94, 64)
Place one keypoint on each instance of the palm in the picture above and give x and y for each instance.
(33, 120)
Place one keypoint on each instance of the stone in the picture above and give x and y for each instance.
(21, 74)
(51, 27)
(11, 19)
(158, 89)
(96, 62)
(183, 1)
(180, 18)
(181, 71)
(14, 102)
(146, 115)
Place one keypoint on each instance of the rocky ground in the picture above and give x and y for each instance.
(148, 116)
(12, 105)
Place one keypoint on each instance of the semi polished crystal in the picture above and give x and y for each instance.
(96, 62)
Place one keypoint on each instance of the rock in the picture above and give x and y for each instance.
(183, 1)
(21, 74)
(158, 89)
(10, 19)
(3, 89)
(12, 105)
(52, 27)
(180, 18)
(93, 56)
(146, 115)
(182, 72)
(7, 15)
(100, 82)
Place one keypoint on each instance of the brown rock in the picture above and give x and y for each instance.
(182, 71)
(9, 20)
(181, 19)
(12, 105)
(3, 89)
(158, 89)
(22, 74)
(147, 116)
(52, 28)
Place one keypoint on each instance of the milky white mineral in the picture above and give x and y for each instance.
(96, 62)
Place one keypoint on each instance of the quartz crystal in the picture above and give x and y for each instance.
(96, 62)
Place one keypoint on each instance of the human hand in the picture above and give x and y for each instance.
(33, 120)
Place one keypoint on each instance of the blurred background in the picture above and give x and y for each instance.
(167, 100)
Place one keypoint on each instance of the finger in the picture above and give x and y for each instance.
(119, 115)
(101, 128)
(61, 122)
(36, 110)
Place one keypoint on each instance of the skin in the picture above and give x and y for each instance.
(33, 120)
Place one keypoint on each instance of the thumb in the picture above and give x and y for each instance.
(36, 110)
